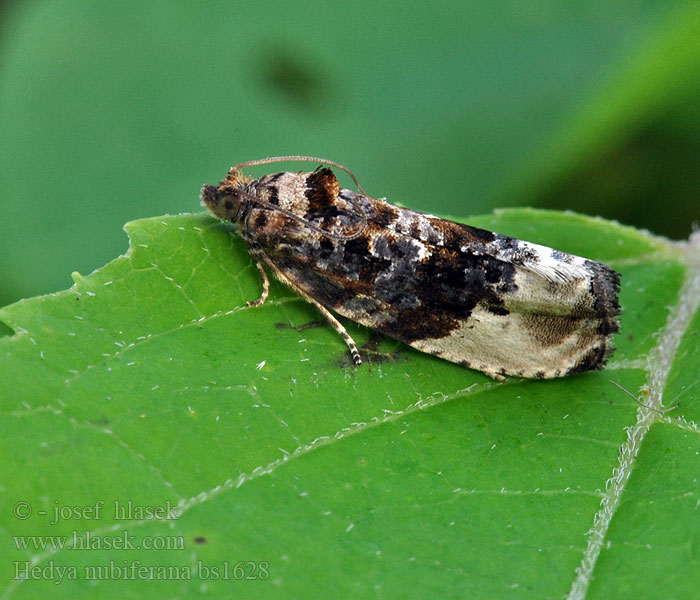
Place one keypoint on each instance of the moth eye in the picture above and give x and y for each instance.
(228, 205)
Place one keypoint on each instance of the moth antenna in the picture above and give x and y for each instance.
(638, 401)
(306, 223)
(274, 159)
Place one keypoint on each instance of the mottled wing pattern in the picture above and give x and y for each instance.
(490, 302)
(314, 197)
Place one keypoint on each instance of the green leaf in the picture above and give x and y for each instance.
(150, 384)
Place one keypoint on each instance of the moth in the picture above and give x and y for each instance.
(470, 296)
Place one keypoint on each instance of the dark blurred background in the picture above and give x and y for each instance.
(114, 111)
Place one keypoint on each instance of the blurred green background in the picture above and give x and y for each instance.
(114, 111)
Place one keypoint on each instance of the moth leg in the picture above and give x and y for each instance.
(338, 326)
(265, 287)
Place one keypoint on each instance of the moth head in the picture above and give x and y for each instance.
(225, 200)
(224, 204)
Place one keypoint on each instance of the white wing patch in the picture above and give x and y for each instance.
(553, 265)
(556, 266)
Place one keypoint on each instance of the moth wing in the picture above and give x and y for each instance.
(494, 303)
(558, 315)
(324, 207)
(489, 302)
